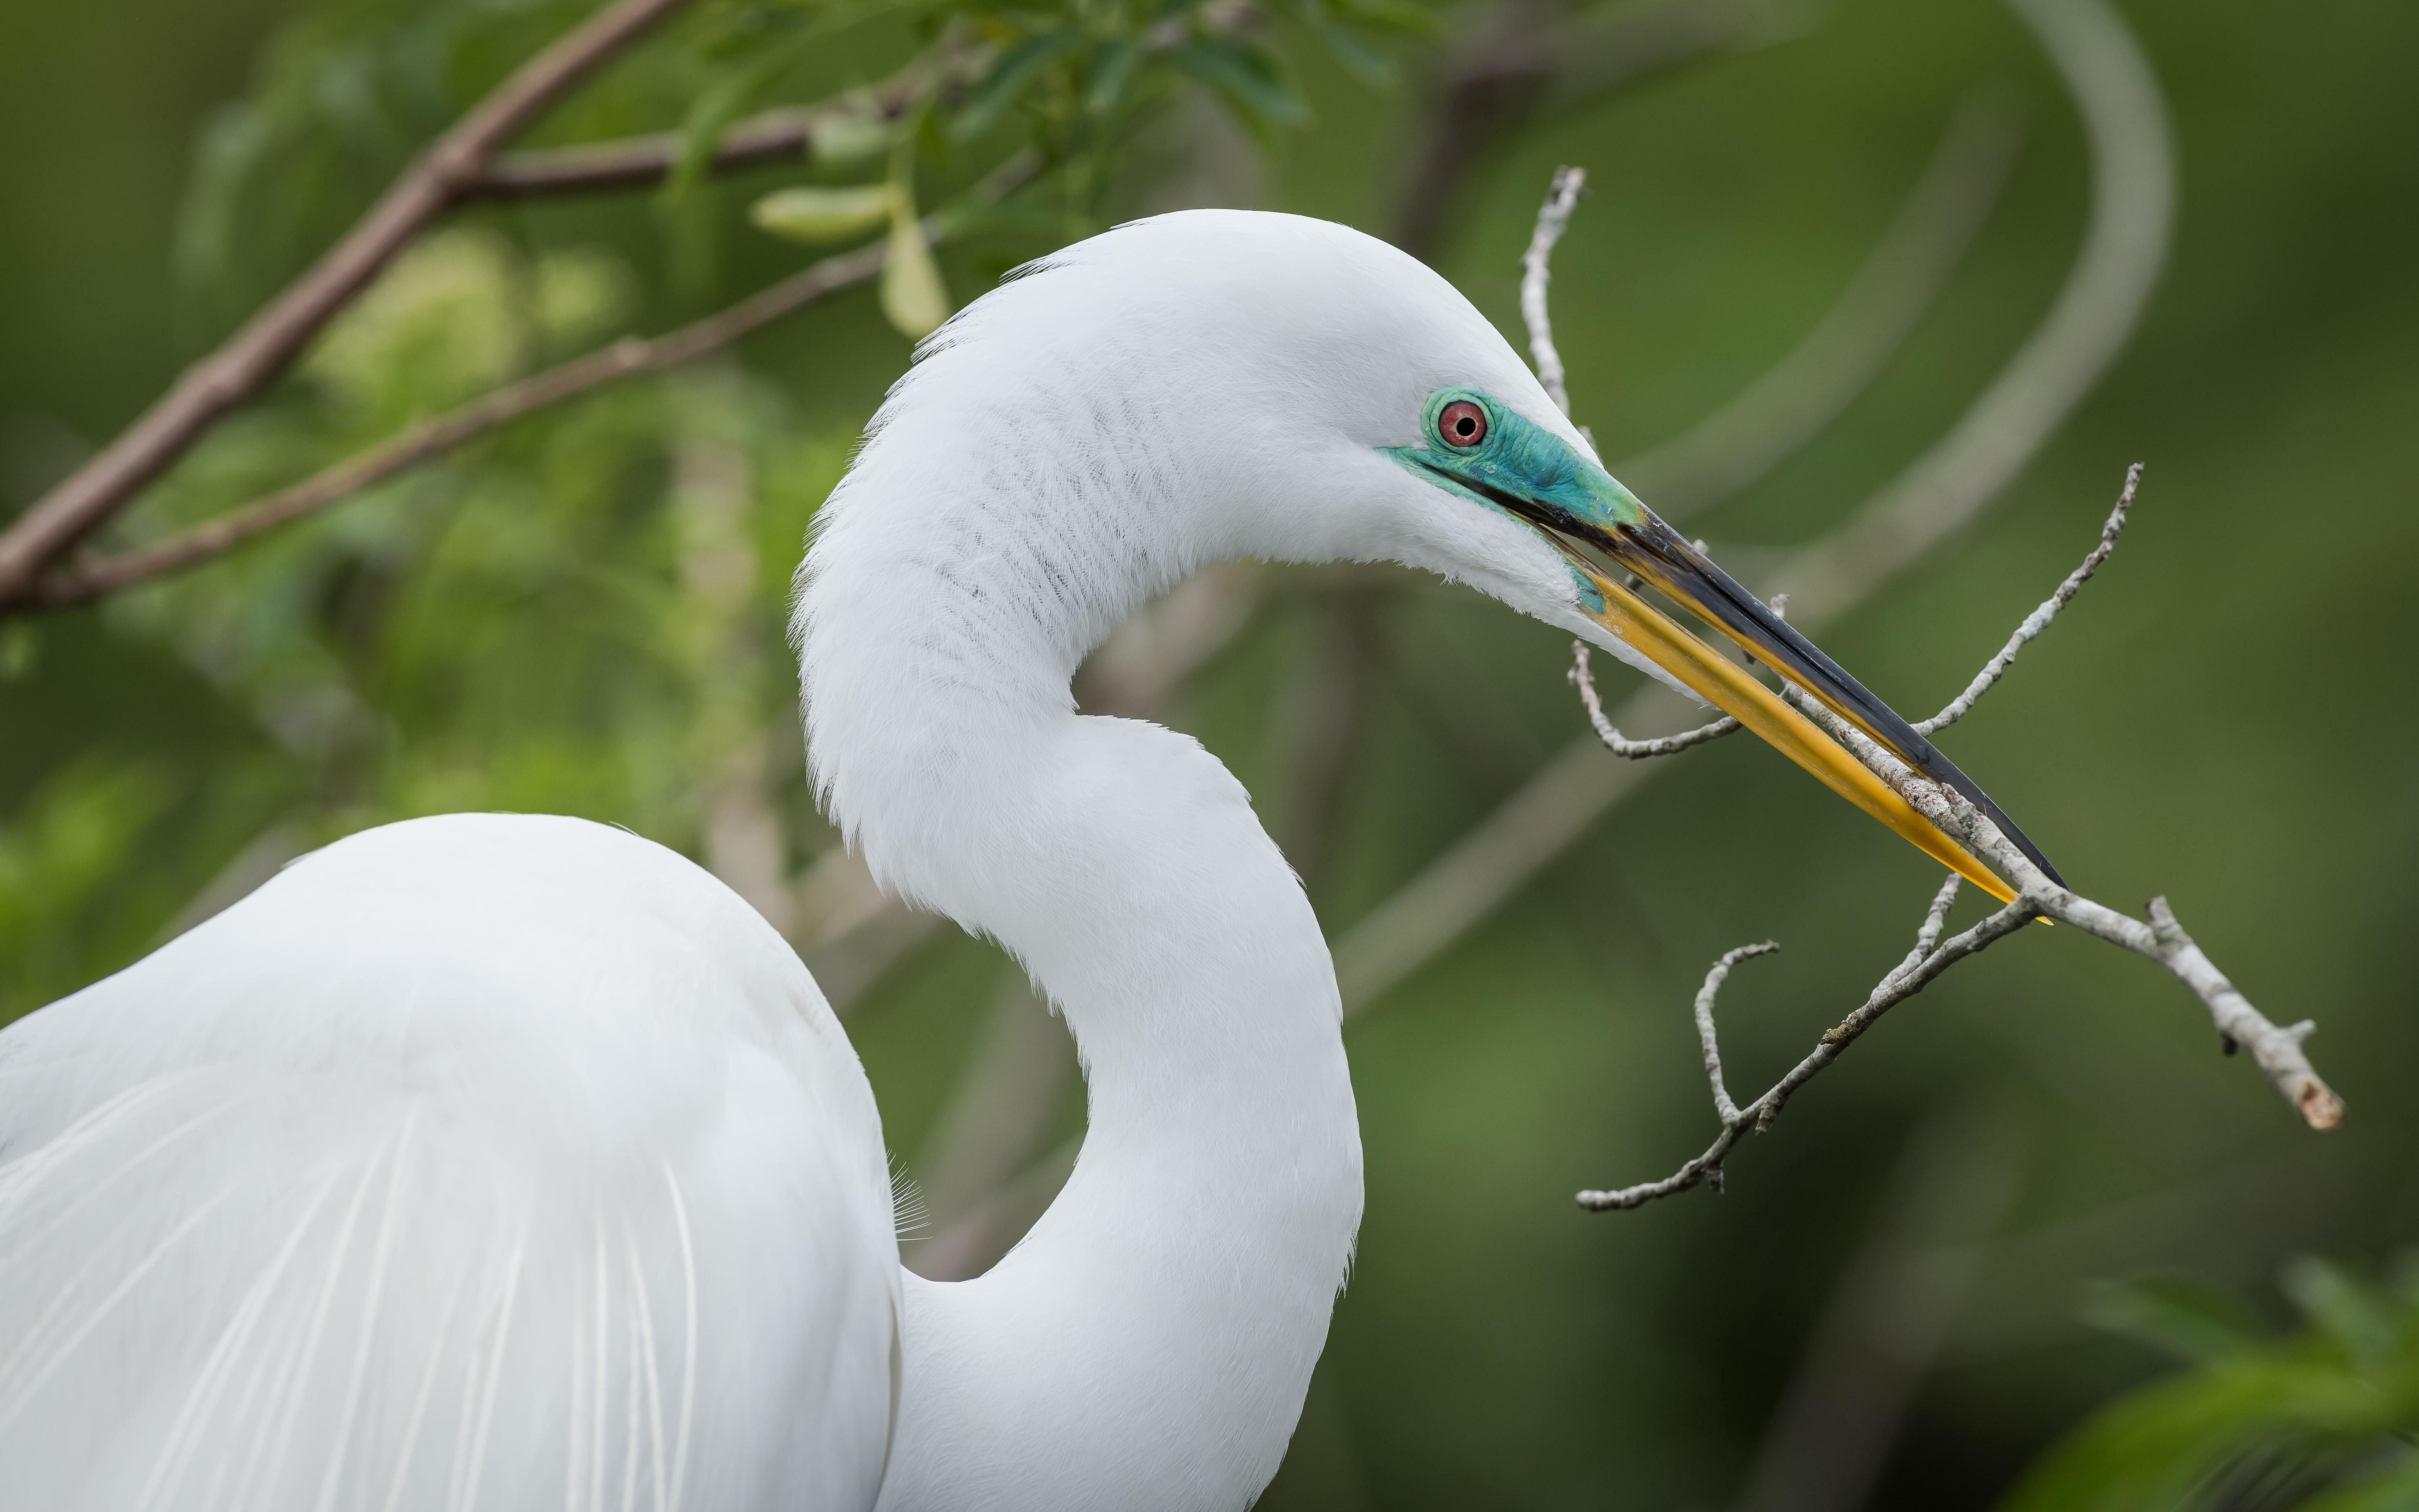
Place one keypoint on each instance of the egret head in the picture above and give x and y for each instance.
(1216, 384)
(1476, 445)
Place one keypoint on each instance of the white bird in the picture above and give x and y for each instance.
(504, 1162)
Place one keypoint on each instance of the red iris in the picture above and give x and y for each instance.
(1462, 424)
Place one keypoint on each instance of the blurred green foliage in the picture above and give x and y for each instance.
(652, 530)
(59, 856)
(582, 613)
(2325, 1419)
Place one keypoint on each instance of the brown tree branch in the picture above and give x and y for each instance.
(248, 361)
(787, 131)
(626, 357)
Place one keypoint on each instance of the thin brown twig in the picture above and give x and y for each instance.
(248, 361)
(626, 357)
(788, 132)
(637, 161)
(950, 66)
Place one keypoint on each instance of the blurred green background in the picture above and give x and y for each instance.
(582, 615)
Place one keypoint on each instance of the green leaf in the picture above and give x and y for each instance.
(1374, 69)
(64, 859)
(2187, 1317)
(233, 148)
(813, 215)
(1407, 18)
(2163, 1446)
(1112, 70)
(2395, 1489)
(1246, 78)
(2347, 1310)
(1009, 80)
(711, 112)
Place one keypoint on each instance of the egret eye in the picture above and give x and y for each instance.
(1462, 424)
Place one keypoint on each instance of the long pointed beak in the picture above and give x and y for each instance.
(1657, 554)
(1726, 685)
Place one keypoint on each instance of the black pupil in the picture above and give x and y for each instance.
(1465, 425)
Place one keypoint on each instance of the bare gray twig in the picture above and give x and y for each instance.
(1537, 275)
(1724, 1108)
(1584, 678)
(2039, 619)
(1910, 977)
(2276, 1050)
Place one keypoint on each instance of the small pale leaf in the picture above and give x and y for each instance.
(844, 141)
(814, 215)
(913, 298)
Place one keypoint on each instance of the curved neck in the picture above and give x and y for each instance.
(1150, 1342)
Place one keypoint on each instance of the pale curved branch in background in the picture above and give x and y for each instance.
(1889, 1314)
(1518, 57)
(1828, 370)
(2124, 246)
(2132, 208)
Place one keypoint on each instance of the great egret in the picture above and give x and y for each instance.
(506, 1162)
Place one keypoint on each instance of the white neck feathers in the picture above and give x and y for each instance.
(1149, 1343)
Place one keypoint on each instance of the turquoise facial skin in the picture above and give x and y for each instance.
(1534, 476)
(1524, 469)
